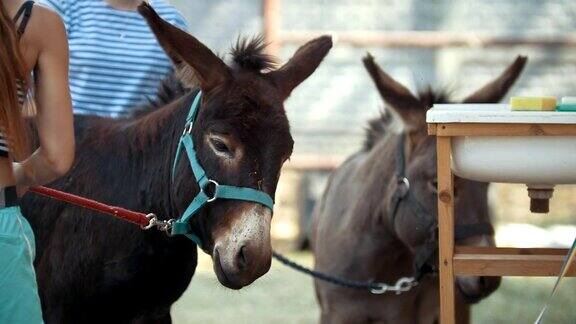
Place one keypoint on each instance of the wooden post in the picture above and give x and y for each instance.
(445, 229)
(272, 25)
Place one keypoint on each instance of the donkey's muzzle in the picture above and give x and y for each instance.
(243, 252)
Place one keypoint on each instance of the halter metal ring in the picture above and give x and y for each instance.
(405, 182)
(216, 185)
(403, 187)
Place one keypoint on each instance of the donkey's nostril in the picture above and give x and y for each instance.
(242, 258)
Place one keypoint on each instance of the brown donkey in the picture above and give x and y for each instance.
(363, 231)
(96, 269)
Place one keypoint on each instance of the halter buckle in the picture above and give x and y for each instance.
(216, 185)
(187, 129)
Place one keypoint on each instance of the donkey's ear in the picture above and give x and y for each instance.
(497, 89)
(301, 65)
(195, 62)
(398, 97)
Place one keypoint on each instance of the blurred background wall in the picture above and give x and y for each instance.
(454, 45)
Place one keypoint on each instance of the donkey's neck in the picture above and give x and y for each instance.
(375, 175)
(379, 250)
(151, 143)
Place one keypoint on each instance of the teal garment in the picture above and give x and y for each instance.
(19, 300)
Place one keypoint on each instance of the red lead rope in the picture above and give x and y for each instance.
(131, 216)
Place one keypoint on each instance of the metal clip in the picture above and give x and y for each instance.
(405, 284)
(161, 225)
(152, 220)
(402, 285)
(382, 288)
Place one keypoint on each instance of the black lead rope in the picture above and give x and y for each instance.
(403, 284)
(365, 285)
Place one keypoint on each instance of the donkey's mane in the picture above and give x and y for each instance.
(248, 54)
(376, 128)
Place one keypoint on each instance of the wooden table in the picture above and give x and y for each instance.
(484, 261)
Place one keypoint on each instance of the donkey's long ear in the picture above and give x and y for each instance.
(301, 65)
(497, 89)
(398, 97)
(196, 63)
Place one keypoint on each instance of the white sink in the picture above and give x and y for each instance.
(533, 160)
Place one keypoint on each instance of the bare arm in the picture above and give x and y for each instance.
(54, 119)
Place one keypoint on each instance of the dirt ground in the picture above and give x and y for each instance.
(285, 296)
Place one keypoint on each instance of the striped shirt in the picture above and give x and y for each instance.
(116, 62)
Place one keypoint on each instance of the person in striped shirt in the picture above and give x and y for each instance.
(116, 62)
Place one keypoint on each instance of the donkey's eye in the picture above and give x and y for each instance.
(219, 146)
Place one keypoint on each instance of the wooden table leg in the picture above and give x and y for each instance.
(445, 230)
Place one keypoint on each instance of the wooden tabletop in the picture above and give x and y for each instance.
(494, 114)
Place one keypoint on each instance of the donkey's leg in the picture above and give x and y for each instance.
(371, 310)
(427, 301)
(338, 308)
(462, 311)
(344, 316)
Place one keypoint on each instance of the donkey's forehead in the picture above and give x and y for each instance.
(257, 88)
(423, 147)
(250, 103)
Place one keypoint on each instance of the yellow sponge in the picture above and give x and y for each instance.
(533, 103)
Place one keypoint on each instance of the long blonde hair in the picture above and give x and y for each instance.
(12, 69)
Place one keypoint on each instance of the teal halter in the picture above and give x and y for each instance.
(182, 225)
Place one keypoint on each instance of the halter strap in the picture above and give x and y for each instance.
(403, 192)
(182, 225)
